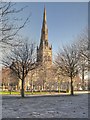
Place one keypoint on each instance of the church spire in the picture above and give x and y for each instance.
(44, 51)
(44, 32)
(44, 15)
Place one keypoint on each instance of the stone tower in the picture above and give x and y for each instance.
(44, 51)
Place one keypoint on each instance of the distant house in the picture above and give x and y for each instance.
(9, 79)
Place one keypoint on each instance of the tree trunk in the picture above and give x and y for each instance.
(83, 87)
(58, 85)
(43, 85)
(32, 86)
(72, 86)
(22, 90)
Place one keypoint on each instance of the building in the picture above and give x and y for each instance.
(44, 51)
(9, 80)
(44, 60)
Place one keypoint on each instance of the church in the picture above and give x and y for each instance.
(42, 72)
(44, 51)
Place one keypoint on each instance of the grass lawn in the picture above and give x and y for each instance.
(38, 93)
(27, 93)
(8, 93)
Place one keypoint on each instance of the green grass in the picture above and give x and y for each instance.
(27, 93)
(8, 93)
(30, 93)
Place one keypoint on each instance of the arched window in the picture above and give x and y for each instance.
(46, 43)
(49, 58)
(45, 57)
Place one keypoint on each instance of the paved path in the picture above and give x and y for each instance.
(59, 106)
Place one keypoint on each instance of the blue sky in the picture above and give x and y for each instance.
(65, 20)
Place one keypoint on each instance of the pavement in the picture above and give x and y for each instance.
(48, 106)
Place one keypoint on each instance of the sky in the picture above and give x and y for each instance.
(65, 20)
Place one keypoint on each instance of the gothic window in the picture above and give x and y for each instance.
(46, 43)
(49, 58)
(45, 57)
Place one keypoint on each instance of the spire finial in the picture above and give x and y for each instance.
(44, 33)
(44, 16)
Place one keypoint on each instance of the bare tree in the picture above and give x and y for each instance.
(82, 44)
(21, 61)
(67, 63)
(10, 23)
